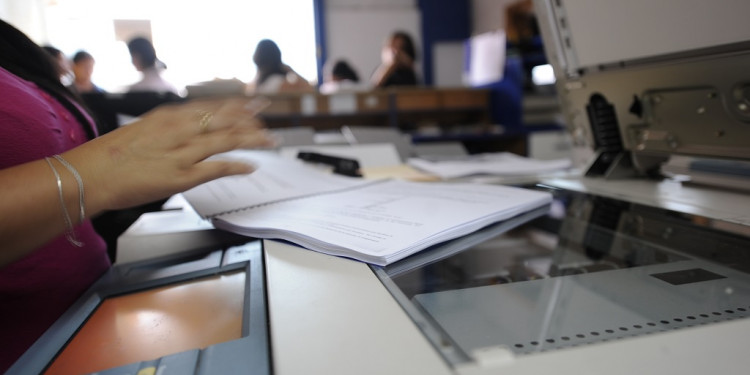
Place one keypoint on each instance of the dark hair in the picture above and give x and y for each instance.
(343, 70)
(82, 55)
(56, 55)
(54, 52)
(408, 43)
(267, 58)
(142, 47)
(28, 61)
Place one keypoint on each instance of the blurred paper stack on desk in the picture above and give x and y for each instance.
(724, 173)
(503, 164)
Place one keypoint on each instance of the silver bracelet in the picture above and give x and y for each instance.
(77, 176)
(69, 233)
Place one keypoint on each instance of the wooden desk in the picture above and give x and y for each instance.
(403, 108)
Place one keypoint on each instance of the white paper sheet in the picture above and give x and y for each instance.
(503, 163)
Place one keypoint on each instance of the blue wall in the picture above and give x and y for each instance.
(320, 36)
(442, 21)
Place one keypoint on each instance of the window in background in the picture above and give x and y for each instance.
(197, 40)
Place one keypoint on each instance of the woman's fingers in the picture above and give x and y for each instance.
(212, 169)
(205, 145)
(183, 121)
(210, 116)
(257, 105)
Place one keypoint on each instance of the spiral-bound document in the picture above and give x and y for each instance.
(374, 221)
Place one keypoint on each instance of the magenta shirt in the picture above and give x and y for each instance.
(36, 290)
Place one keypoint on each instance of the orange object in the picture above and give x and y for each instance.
(153, 323)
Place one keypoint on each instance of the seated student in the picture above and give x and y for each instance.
(56, 173)
(143, 57)
(397, 62)
(83, 69)
(341, 77)
(273, 76)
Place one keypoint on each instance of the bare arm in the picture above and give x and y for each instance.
(162, 154)
(386, 69)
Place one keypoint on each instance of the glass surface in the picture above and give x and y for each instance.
(592, 269)
(153, 323)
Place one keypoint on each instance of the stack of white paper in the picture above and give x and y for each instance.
(377, 222)
(502, 163)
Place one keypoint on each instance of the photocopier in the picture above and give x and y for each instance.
(640, 265)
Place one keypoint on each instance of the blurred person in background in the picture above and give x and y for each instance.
(273, 76)
(83, 69)
(143, 57)
(341, 77)
(397, 62)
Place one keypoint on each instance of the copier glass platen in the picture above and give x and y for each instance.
(195, 313)
(591, 270)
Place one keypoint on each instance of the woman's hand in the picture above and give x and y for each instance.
(165, 152)
(162, 154)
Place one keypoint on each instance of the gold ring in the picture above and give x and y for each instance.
(205, 120)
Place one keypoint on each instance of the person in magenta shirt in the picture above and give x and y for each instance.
(55, 173)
